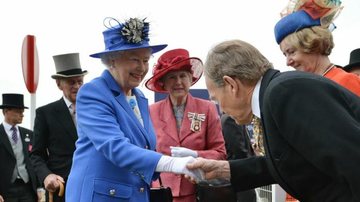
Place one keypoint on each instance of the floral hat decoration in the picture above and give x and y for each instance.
(300, 14)
(174, 60)
(133, 34)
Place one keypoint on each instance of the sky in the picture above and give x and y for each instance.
(69, 26)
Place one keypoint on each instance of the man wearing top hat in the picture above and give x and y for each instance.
(55, 126)
(18, 181)
(354, 63)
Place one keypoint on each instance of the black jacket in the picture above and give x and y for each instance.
(9, 161)
(55, 137)
(312, 138)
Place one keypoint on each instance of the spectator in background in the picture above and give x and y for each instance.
(305, 38)
(306, 41)
(238, 146)
(311, 126)
(114, 158)
(354, 63)
(55, 126)
(18, 180)
(184, 125)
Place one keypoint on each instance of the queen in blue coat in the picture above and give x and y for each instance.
(115, 158)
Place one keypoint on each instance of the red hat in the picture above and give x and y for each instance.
(174, 60)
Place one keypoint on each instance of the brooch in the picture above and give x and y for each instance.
(196, 120)
(27, 138)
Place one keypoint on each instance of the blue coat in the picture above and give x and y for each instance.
(113, 160)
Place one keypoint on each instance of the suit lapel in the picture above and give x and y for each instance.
(5, 140)
(64, 117)
(26, 142)
(186, 123)
(168, 119)
(268, 76)
(121, 99)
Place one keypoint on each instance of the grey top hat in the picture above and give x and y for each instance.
(67, 65)
(12, 100)
(354, 60)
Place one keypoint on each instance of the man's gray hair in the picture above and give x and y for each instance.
(237, 59)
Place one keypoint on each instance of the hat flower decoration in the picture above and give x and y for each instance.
(299, 14)
(132, 34)
(134, 30)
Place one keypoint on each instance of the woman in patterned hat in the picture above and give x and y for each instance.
(184, 125)
(114, 158)
(306, 41)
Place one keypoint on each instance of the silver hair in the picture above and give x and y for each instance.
(107, 58)
(237, 59)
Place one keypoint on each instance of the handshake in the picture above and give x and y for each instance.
(177, 165)
(180, 157)
(199, 170)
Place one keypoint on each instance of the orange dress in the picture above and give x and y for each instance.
(348, 80)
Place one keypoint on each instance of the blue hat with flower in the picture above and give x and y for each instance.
(300, 14)
(133, 34)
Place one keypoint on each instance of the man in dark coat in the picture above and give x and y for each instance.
(311, 126)
(55, 126)
(18, 181)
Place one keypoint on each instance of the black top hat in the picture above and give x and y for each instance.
(67, 65)
(354, 60)
(11, 100)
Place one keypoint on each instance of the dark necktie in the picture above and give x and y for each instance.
(14, 135)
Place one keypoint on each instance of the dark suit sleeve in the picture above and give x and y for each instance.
(320, 121)
(250, 173)
(39, 154)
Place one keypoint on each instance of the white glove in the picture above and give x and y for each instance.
(178, 165)
(182, 152)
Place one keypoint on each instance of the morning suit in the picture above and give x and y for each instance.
(54, 143)
(208, 141)
(238, 146)
(9, 161)
(311, 139)
(113, 160)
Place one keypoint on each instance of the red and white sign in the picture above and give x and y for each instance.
(30, 63)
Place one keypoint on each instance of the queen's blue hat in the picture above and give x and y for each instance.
(133, 34)
(292, 23)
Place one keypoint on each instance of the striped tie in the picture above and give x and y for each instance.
(14, 135)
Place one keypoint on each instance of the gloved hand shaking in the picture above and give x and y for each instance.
(178, 165)
(182, 152)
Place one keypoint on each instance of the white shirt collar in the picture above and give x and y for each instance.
(8, 127)
(8, 130)
(67, 102)
(255, 102)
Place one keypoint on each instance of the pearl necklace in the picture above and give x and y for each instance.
(328, 69)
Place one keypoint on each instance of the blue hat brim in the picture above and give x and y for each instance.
(154, 48)
(292, 23)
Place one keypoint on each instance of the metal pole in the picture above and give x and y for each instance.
(32, 110)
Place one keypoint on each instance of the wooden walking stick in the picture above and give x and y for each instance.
(61, 192)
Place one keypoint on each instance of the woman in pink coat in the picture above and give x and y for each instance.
(184, 125)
